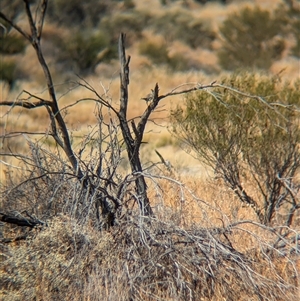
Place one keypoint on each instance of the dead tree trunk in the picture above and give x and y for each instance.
(57, 122)
(132, 145)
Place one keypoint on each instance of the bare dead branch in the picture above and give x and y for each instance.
(193, 89)
(20, 133)
(26, 104)
(34, 39)
(132, 145)
(42, 15)
(33, 29)
(124, 76)
(15, 26)
(54, 129)
(20, 220)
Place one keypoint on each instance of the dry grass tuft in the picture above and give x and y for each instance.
(199, 246)
(143, 260)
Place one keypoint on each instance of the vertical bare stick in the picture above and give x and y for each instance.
(124, 76)
(35, 42)
(132, 145)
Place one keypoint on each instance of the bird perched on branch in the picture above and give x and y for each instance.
(149, 97)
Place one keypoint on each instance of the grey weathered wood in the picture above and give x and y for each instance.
(20, 220)
(132, 144)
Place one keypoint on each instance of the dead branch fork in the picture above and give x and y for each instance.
(132, 137)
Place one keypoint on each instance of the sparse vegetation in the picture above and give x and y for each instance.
(294, 22)
(91, 210)
(131, 22)
(80, 14)
(158, 53)
(251, 38)
(11, 44)
(82, 51)
(169, 263)
(249, 138)
(7, 72)
(181, 25)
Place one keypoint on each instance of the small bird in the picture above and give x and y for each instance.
(149, 97)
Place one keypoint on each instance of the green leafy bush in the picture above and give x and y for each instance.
(78, 13)
(132, 23)
(82, 51)
(294, 22)
(11, 44)
(158, 53)
(250, 139)
(128, 4)
(181, 25)
(251, 38)
(179, 62)
(7, 72)
(296, 48)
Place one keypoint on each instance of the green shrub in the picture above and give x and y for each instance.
(181, 25)
(11, 44)
(251, 38)
(294, 21)
(158, 53)
(7, 72)
(179, 62)
(131, 23)
(82, 51)
(129, 4)
(78, 13)
(252, 143)
(296, 48)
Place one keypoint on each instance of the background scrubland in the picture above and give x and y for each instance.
(204, 243)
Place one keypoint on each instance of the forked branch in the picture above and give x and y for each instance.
(54, 112)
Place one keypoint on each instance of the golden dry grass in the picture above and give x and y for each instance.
(143, 79)
(72, 260)
(78, 262)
